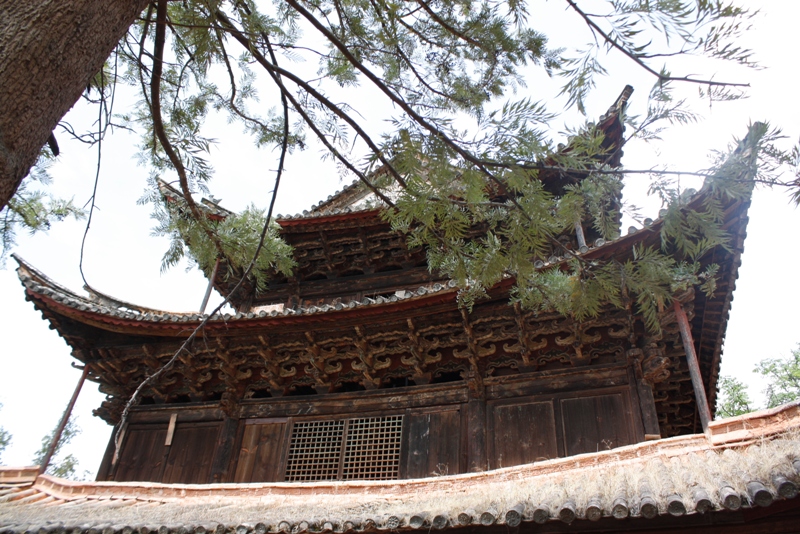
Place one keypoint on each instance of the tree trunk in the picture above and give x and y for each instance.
(49, 49)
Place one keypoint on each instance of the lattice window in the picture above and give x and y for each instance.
(314, 451)
(363, 448)
(372, 449)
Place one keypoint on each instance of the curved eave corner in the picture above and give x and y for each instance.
(54, 300)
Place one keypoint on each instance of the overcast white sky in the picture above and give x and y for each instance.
(122, 259)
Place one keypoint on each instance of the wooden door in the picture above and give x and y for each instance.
(191, 453)
(261, 453)
(596, 423)
(143, 454)
(432, 445)
(522, 433)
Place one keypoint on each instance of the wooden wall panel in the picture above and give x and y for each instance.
(143, 454)
(432, 444)
(191, 453)
(597, 423)
(104, 472)
(522, 433)
(261, 453)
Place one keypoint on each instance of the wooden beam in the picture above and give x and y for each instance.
(364, 354)
(694, 366)
(171, 429)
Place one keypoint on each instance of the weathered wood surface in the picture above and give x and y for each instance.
(145, 457)
(362, 401)
(187, 414)
(143, 454)
(104, 471)
(522, 433)
(444, 431)
(703, 409)
(191, 453)
(562, 380)
(646, 402)
(433, 446)
(597, 423)
(261, 453)
(474, 432)
(223, 453)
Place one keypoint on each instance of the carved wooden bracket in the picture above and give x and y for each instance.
(655, 365)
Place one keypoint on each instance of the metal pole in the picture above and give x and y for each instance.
(694, 366)
(57, 436)
(210, 286)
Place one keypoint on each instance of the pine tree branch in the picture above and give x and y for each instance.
(638, 60)
(158, 123)
(276, 70)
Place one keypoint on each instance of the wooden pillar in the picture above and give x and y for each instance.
(210, 287)
(64, 419)
(476, 426)
(644, 394)
(694, 366)
(223, 451)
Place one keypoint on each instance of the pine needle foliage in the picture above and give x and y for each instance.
(461, 167)
(237, 234)
(33, 208)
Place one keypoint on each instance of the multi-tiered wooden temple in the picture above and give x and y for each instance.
(361, 365)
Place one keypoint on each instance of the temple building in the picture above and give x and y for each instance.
(357, 395)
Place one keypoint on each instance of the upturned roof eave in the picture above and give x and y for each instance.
(60, 299)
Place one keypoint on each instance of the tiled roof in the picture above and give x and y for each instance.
(318, 214)
(38, 284)
(329, 203)
(745, 462)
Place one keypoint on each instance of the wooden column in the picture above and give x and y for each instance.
(694, 366)
(210, 286)
(644, 396)
(223, 452)
(476, 433)
(64, 419)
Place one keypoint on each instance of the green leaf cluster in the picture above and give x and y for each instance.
(477, 235)
(33, 209)
(5, 439)
(63, 467)
(783, 385)
(783, 376)
(733, 398)
(238, 236)
(470, 168)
